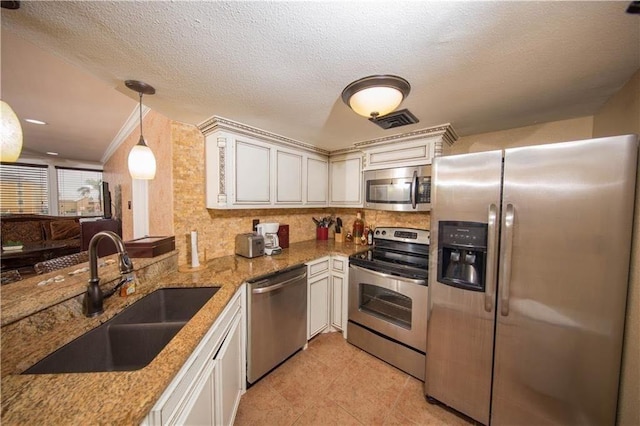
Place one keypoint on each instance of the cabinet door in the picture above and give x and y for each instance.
(317, 181)
(318, 305)
(405, 154)
(288, 177)
(337, 283)
(228, 377)
(346, 181)
(199, 408)
(252, 173)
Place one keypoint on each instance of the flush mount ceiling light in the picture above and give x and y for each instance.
(142, 163)
(376, 95)
(11, 134)
(9, 4)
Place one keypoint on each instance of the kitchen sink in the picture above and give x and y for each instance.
(132, 339)
(166, 305)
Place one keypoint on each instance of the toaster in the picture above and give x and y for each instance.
(250, 245)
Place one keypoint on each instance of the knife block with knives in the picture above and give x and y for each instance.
(339, 236)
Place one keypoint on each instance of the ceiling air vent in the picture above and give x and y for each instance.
(634, 7)
(395, 119)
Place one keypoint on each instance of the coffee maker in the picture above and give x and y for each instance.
(271, 241)
(462, 254)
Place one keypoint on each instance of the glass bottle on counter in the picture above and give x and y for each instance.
(358, 229)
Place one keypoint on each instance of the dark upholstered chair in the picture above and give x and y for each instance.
(10, 276)
(61, 262)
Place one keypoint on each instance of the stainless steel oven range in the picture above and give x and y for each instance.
(388, 298)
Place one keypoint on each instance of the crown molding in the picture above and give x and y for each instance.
(344, 151)
(217, 123)
(446, 131)
(127, 128)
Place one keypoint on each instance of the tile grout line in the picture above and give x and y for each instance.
(395, 403)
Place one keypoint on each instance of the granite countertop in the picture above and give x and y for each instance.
(127, 397)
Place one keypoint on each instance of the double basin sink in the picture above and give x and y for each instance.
(133, 338)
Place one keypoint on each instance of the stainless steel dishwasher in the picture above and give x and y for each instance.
(276, 319)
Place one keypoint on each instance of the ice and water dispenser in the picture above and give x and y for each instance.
(462, 254)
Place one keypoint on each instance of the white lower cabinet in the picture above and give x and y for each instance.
(318, 291)
(327, 295)
(199, 410)
(229, 378)
(336, 301)
(318, 305)
(339, 293)
(207, 389)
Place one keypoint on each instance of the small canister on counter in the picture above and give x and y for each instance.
(283, 236)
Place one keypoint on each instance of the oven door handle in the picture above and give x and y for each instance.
(414, 186)
(393, 277)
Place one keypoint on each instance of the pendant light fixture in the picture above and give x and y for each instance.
(10, 134)
(376, 95)
(142, 163)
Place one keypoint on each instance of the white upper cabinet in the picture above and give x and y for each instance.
(409, 154)
(345, 180)
(248, 168)
(407, 150)
(251, 168)
(289, 177)
(252, 171)
(317, 179)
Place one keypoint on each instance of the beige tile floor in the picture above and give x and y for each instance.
(335, 383)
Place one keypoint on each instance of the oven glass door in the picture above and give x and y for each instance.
(386, 304)
(393, 306)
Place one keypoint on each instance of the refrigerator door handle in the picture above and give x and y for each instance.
(505, 261)
(492, 250)
(412, 189)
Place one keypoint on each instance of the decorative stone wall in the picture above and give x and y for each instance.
(157, 133)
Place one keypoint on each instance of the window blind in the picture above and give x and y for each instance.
(24, 188)
(79, 192)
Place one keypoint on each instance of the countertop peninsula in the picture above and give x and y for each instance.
(125, 397)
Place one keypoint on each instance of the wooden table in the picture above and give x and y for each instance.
(30, 254)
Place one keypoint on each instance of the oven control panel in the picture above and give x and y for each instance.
(407, 235)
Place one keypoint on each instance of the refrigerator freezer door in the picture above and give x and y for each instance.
(461, 322)
(560, 316)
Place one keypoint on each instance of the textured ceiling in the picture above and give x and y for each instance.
(281, 66)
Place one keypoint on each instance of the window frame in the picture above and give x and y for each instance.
(46, 196)
(52, 175)
(79, 169)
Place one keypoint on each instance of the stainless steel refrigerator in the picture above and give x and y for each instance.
(528, 277)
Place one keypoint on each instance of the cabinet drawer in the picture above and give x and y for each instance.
(338, 265)
(318, 266)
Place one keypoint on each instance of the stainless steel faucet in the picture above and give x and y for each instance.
(93, 298)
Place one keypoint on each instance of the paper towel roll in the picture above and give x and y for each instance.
(194, 249)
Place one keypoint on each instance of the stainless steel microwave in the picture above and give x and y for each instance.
(404, 189)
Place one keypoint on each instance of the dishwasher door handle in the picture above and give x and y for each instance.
(276, 286)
